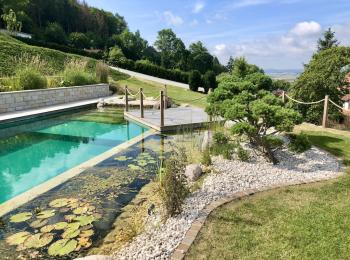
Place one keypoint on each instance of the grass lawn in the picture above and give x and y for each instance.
(151, 88)
(302, 222)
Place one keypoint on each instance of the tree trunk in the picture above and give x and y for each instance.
(266, 150)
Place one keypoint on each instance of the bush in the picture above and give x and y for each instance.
(79, 40)
(299, 143)
(209, 81)
(116, 55)
(226, 150)
(206, 159)
(273, 141)
(220, 138)
(31, 79)
(243, 155)
(102, 72)
(55, 33)
(173, 182)
(73, 77)
(195, 80)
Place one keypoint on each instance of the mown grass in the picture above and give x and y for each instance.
(152, 89)
(303, 222)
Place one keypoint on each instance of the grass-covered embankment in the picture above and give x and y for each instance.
(302, 222)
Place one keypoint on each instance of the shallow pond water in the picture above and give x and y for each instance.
(45, 228)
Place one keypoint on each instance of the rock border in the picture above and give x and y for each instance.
(184, 246)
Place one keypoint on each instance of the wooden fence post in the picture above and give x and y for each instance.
(283, 96)
(141, 103)
(165, 96)
(161, 108)
(126, 99)
(325, 112)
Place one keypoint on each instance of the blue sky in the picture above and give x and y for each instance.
(274, 34)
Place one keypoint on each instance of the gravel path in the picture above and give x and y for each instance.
(232, 176)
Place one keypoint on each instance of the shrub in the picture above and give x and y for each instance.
(75, 74)
(243, 155)
(55, 33)
(226, 150)
(116, 55)
(173, 182)
(102, 72)
(195, 80)
(299, 143)
(31, 79)
(209, 81)
(273, 141)
(79, 40)
(220, 138)
(206, 159)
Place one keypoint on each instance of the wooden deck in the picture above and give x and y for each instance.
(174, 118)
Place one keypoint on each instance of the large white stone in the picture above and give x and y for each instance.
(193, 172)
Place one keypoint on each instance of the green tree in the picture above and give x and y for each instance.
(241, 68)
(132, 44)
(55, 33)
(11, 22)
(209, 81)
(229, 65)
(151, 54)
(281, 84)
(171, 48)
(195, 80)
(324, 75)
(200, 58)
(116, 55)
(257, 112)
(79, 40)
(328, 41)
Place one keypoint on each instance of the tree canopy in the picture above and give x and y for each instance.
(324, 75)
(246, 99)
(328, 41)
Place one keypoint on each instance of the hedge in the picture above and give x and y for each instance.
(153, 70)
(59, 47)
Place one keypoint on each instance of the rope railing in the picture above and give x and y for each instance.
(304, 103)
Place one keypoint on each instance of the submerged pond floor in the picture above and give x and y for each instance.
(74, 217)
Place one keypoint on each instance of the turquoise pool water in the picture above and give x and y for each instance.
(35, 152)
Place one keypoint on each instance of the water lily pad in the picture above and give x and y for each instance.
(46, 214)
(64, 210)
(142, 163)
(38, 223)
(87, 227)
(62, 247)
(21, 217)
(73, 226)
(74, 205)
(84, 242)
(71, 233)
(38, 240)
(134, 167)
(85, 220)
(70, 217)
(60, 225)
(122, 158)
(87, 233)
(59, 203)
(81, 210)
(47, 229)
(18, 238)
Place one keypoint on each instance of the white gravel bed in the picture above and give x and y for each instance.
(233, 176)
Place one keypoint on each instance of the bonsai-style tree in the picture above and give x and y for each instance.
(258, 113)
(11, 22)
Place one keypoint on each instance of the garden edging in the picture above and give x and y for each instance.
(196, 225)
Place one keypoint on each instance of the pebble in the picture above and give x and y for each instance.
(232, 176)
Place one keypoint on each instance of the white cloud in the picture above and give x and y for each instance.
(245, 3)
(288, 51)
(198, 7)
(172, 19)
(306, 28)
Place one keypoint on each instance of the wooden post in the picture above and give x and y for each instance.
(283, 97)
(141, 103)
(161, 108)
(165, 96)
(325, 112)
(126, 99)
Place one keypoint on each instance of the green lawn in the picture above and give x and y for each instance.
(151, 88)
(303, 222)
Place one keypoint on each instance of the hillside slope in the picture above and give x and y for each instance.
(14, 54)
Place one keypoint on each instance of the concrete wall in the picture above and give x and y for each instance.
(30, 99)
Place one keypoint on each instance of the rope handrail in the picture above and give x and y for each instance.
(342, 108)
(304, 103)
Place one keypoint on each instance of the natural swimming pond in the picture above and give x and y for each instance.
(74, 217)
(34, 152)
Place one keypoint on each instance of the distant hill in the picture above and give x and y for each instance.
(287, 74)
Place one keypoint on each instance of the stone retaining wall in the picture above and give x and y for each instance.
(30, 99)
